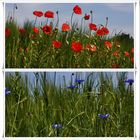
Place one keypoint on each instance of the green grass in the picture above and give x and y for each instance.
(41, 53)
(33, 107)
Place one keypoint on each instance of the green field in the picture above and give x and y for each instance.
(34, 105)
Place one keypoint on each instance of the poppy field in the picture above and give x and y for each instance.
(50, 44)
(91, 104)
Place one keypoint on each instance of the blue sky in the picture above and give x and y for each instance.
(81, 75)
(120, 15)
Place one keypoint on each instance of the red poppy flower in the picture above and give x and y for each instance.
(77, 10)
(132, 59)
(47, 29)
(126, 54)
(22, 30)
(7, 32)
(108, 44)
(38, 13)
(49, 14)
(92, 26)
(105, 30)
(77, 46)
(86, 17)
(88, 46)
(36, 30)
(115, 66)
(65, 27)
(91, 48)
(99, 32)
(102, 31)
(132, 50)
(116, 54)
(57, 44)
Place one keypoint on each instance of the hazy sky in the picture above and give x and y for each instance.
(81, 75)
(120, 15)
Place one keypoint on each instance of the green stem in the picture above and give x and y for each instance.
(91, 16)
(14, 8)
(106, 21)
(91, 20)
(79, 88)
(57, 132)
(71, 20)
(54, 78)
(105, 134)
(47, 20)
(37, 78)
(130, 88)
(15, 116)
(81, 23)
(35, 21)
(57, 23)
(72, 78)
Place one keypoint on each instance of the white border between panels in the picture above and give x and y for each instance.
(1, 35)
(70, 1)
(4, 58)
(1, 73)
(1, 105)
(69, 70)
(70, 138)
(136, 69)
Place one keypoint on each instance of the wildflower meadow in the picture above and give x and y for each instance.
(78, 104)
(50, 44)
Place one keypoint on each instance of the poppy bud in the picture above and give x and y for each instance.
(91, 11)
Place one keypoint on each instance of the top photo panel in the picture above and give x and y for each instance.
(69, 35)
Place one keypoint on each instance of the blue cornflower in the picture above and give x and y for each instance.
(79, 81)
(56, 126)
(72, 87)
(104, 116)
(129, 81)
(7, 91)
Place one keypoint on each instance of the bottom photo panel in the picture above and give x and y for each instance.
(69, 104)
